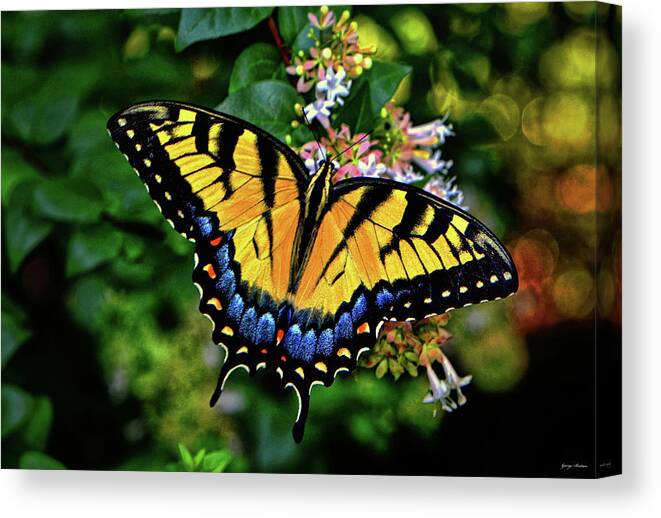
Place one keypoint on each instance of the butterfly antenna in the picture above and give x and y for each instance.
(352, 145)
(314, 134)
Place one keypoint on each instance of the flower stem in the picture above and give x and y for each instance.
(284, 54)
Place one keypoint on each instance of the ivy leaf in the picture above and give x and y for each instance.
(90, 247)
(38, 460)
(209, 23)
(371, 91)
(16, 407)
(217, 461)
(68, 200)
(267, 104)
(24, 229)
(258, 62)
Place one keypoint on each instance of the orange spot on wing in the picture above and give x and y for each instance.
(283, 358)
(215, 303)
(263, 351)
(279, 336)
(216, 242)
(363, 328)
(210, 271)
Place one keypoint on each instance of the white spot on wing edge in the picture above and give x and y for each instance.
(213, 324)
(298, 395)
(361, 351)
(315, 382)
(242, 365)
(378, 328)
(341, 369)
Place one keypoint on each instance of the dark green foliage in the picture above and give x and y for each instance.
(258, 62)
(273, 113)
(209, 23)
(106, 361)
(370, 92)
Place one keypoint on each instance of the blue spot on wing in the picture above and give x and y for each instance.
(227, 283)
(325, 343)
(222, 258)
(204, 224)
(359, 309)
(404, 296)
(384, 299)
(235, 309)
(292, 342)
(344, 328)
(247, 327)
(265, 333)
(308, 345)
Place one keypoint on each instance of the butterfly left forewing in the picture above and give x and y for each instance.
(234, 190)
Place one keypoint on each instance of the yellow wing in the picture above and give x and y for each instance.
(212, 174)
(382, 249)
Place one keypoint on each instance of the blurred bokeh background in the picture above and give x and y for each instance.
(106, 362)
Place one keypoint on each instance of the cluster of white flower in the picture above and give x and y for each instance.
(330, 91)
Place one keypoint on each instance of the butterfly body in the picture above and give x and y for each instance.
(316, 201)
(297, 273)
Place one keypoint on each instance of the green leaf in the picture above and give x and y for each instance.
(43, 120)
(217, 461)
(24, 229)
(291, 21)
(90, 247)
(50, 109)
(38, 460)
(370, 92)
(209, 23)
(87, 300)
(382, 368)
(412, 369)
(15, 169)
(68, 200)
(267, 104)
(186, 457)
(16, 407)
(258, 62)
(199, 456)
(14, 331)
(411, 356)
(39, 424)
